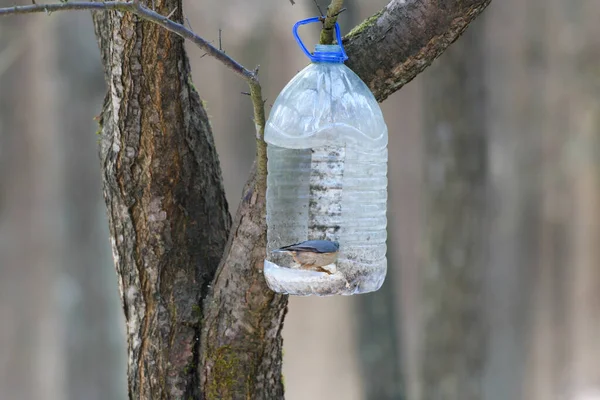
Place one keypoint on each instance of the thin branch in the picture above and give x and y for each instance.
(144, 13)
(171, 13)
(135, 7)
(319, 8)
(334, 9)
(339, 12)
(35, 8)
(261, 146)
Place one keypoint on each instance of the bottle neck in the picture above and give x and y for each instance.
(329, 53)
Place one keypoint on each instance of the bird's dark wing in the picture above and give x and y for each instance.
(317, 246)
(299, 247)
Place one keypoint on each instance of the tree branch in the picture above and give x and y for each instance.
(137, 8)
(333, 11)
(261, 146)
(393, 46)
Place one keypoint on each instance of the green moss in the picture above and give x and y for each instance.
(225, 373)
(99, 130)
(196, 311)
(191, 83)
(98, 119)
(189, 368)
(365, 24)
(173, 311)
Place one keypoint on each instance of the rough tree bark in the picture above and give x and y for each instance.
(393, 46)
(201, 322)
(166, 206)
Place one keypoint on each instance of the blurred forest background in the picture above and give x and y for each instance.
(494, 210)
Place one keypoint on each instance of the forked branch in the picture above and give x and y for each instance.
(334, 9)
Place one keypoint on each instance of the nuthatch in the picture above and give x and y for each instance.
(313, 254)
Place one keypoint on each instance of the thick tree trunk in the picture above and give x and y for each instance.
(166, 206)
(195, 331)
(241, 341)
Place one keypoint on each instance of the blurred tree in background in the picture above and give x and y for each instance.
(454, 245)
(61, 330)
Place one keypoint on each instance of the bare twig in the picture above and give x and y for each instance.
(339, 12)
(171, 13)
(323, 18)
(220, 40)
(135, 7)
(333, 11)
(319, 8)
(144, 13)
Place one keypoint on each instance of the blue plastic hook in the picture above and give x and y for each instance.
(321, 56)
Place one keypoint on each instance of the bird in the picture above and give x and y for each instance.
(313, 254)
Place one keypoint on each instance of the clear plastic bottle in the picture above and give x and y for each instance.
(327, 179)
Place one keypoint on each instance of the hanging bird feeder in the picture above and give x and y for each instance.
(327, 180)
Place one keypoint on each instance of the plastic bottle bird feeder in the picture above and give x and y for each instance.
(327, 181)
